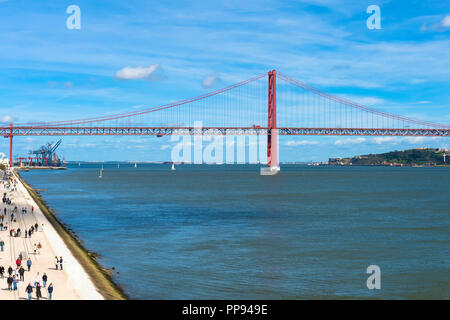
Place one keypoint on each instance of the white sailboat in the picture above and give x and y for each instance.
(135, 165)
(173, 167)
(101, 173)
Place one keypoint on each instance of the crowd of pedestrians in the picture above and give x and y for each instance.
(14, 276)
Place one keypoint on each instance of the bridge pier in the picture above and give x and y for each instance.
(272, 132)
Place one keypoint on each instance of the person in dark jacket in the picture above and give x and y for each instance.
(10, 270)
(10, 282)
(44, 279)
(21, 273)
(38, 291)
(29, 290)
(50, 291)
(2, 271)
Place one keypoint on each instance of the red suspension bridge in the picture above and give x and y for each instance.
(258, 106)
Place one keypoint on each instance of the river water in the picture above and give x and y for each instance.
(225, 232)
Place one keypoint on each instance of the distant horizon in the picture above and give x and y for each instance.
(127, 161)
(191, 163)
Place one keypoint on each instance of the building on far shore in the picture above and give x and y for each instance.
(335, 161)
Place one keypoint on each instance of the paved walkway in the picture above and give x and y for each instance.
(70, 283)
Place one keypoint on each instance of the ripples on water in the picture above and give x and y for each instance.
(224, 232)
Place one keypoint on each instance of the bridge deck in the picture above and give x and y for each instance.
(161, 131)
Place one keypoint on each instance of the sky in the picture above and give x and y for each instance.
(128, 55)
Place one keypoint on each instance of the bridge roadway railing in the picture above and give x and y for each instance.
(162, 131)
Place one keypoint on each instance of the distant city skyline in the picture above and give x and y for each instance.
(127, 56)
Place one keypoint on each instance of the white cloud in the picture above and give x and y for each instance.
(446, 22)
(68, 85)
(129, 73)
(293, 143)
(363, 100)
(397, 140)
(381, 140)
(340, 142)
(210, 80)
(6, 119)
(414, 139)
(418, 81)
(423, 102)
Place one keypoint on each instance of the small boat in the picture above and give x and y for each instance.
(101, 173)
(135, 165)
(173, 167)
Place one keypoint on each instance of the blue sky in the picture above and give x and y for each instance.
(187, 48)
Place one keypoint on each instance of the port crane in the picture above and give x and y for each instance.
(46, 156)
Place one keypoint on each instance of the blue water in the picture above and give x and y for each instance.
(225, 232)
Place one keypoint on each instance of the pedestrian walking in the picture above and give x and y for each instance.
(10, 282)
(35, 248)
(21, 274)
(44, 280)
(29, 290)
(61, 262)
(29, 263)
(38, 291)
(2, 244)
(15, 282)
(36, 226)
(2, 271)
(38, 278)
(56, 262)
(39, 247)
(18, 262)
(10, 271)
(50, 291)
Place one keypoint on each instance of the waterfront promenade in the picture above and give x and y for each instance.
(70, 283)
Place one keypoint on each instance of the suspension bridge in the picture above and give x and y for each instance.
(269, 104)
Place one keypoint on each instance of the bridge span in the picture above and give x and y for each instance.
(257, 106)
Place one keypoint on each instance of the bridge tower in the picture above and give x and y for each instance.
(272, 131)
(11, 145)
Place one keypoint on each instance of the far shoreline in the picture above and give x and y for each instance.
(99, 275)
